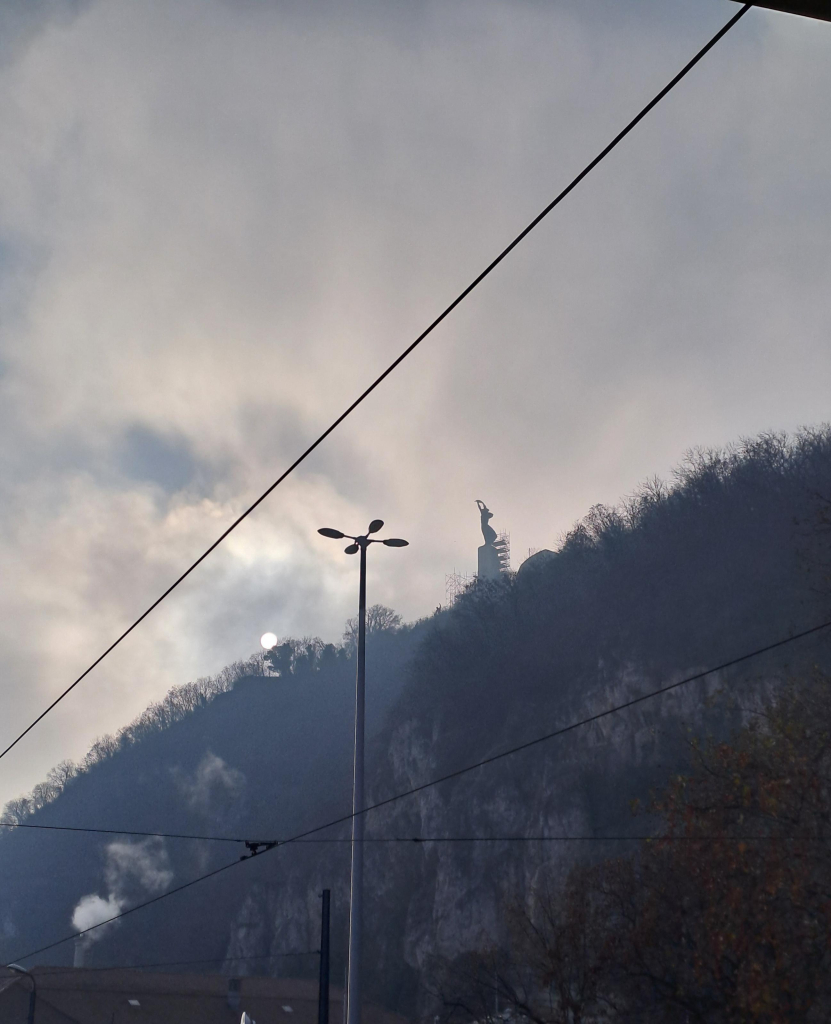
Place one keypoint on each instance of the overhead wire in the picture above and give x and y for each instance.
(393, 365)
(401, 839)
(123, 832)
(492, 759)
(52, 972)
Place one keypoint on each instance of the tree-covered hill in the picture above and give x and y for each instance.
(729, 556)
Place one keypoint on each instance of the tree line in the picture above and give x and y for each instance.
(295, 656)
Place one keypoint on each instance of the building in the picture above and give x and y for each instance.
(77, 995)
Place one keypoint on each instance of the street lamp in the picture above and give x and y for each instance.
(353, 982)
(32, 994)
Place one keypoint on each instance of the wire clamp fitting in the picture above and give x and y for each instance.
(255, 847)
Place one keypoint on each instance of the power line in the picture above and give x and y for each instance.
(124, 832)
(574, 725)
(655, 837)
(396, 362)
(529, 744)
(186, 963)
(403, 839)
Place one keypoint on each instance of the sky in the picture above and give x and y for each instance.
(219, 221)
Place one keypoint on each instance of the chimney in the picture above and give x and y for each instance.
(234, 985)
(78, 958)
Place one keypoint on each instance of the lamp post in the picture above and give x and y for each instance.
(32, 994)
(353, 982)
(323, 988)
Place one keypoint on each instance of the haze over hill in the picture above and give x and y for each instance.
(219, 221)
(728, 557)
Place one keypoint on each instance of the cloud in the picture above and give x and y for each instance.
(148, 456)
(218, 222)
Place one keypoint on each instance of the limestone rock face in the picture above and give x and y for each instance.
(427, 900)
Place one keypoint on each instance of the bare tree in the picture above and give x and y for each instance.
(62, 773)
(17, 810)
(379, 619)
(557, 967)
(567, 936)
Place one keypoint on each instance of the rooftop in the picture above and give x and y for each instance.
(67, 995)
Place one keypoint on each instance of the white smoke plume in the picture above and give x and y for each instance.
(132, 870)
(212, 786)
(145, 863)
(92, 910)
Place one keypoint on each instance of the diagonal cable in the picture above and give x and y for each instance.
(123, 832)
(393, 365)
(53, 972)
(269, 843)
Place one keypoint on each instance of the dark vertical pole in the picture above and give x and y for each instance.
(33, 995)
(323, 990)
(353, 984)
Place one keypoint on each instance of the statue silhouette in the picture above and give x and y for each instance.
(485, 513)
(492, 554)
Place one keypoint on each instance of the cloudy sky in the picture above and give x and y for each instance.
(220, 219)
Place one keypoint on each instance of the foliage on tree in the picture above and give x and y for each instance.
(734, 901)
(724, 916)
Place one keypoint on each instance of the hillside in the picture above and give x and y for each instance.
(731, 555)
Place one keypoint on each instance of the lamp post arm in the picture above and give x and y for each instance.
(32, 994)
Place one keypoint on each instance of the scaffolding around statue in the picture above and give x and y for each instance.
(455, 584)
(503, 546)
